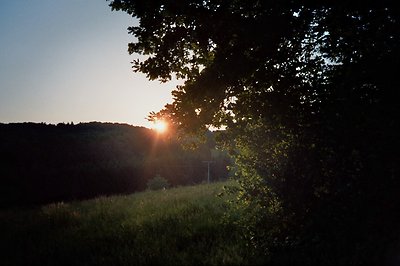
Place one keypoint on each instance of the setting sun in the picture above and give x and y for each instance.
(160, 126)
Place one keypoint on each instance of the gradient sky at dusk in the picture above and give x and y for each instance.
(67, 61)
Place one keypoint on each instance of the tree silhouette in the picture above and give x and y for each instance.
(308, 95)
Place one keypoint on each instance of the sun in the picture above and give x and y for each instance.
(160, 126)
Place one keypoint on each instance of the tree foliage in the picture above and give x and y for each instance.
(308, 94)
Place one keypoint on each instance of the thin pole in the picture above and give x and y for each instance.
(208, 170)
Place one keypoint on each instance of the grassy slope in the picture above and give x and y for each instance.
(180, 226)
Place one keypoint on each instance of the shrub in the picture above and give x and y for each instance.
(158, 182)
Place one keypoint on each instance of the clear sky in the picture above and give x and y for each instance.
(67, 61)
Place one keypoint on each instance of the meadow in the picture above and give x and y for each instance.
(177, 226)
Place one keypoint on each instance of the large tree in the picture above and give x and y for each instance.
(308, 95)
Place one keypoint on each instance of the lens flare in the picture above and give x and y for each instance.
(160, 126)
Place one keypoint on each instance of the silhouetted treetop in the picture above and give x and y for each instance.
(229, 51)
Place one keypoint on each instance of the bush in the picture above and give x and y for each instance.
(158, 182)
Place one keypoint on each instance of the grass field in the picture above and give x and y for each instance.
(178, 226)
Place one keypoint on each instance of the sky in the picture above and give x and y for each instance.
(66, 61)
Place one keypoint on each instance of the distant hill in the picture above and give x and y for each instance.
(42, 163)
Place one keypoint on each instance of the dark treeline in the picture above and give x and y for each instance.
(41, 163)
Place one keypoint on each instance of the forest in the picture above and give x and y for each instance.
(44, 163)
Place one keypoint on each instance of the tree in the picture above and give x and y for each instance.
(308, 95)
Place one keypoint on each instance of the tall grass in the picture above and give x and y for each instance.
(179, 226)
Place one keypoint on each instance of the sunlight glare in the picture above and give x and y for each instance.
(160, 126)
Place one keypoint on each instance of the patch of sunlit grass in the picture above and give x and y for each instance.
(178, 226)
